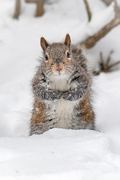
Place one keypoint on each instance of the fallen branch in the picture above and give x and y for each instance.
(92, 40)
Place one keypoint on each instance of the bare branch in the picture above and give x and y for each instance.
(114, 64)
(117, 9)
(88, 10)
(105, 66)
(92, 40)
(17, 9)
(101, 59)
(107, 2)
(109, 58)
(31, 1)
(39, 6)
(39, 9)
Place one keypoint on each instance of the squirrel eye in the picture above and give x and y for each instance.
(68, 55)
(46, 57)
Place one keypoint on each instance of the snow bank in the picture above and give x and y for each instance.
(59, 154)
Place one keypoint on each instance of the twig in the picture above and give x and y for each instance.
(105, 66)
(107, 2)
(114, 64)
(31, 1)
(17, 9)
(101, 59)
(88, 10)
(92, 40)
(39, 6)
(109, 58)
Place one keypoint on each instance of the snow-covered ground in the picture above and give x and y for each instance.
(58, 153)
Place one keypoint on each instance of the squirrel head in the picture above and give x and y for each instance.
(57, 56)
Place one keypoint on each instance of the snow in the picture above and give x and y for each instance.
(58, 153)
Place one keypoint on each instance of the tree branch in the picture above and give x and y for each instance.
(107, 2)
(88, 10)
(114, 64)
(105, 66)
(92, 40)
(31, 1)
(39, 9)
(17, 9)
(39, 6)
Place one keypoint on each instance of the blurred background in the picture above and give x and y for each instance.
(93, 24)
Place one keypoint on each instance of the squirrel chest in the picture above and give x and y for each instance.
(61, 110)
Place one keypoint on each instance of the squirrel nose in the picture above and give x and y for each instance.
(57, 61)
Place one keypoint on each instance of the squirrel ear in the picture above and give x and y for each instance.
(67, 41)
(44, 43)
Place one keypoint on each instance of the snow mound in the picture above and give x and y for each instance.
(59, 154)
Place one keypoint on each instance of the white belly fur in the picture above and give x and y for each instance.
(64, 112)
(61, 111)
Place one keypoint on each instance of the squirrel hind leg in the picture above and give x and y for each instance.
(37, 120)
(37, 128)
(86, 114)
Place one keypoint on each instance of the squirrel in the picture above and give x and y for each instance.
(62, 89)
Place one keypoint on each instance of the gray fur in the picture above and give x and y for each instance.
(63, 96)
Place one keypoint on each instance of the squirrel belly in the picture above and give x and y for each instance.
(62, 114)
(62, 89)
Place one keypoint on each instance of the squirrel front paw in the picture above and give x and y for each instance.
(70, 95)
(51, 95)
(43, 94)
(78, 93)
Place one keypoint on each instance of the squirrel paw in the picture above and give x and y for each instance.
(52, 95)
(71, 95)
(76, 94)
(43, 94)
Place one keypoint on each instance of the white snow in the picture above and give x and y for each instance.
(58, 153)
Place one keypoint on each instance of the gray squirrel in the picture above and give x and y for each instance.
(62, 89)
